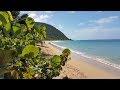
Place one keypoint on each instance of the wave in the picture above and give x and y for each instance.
(101, 60)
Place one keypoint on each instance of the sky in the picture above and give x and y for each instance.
(81, 25)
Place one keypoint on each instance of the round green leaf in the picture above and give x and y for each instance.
(56, 60)
(10, 15)
(66, 52)
(7, 28)
(16, 29)
(23, 28)
(29, 22)
(4, 17)
(30, 49)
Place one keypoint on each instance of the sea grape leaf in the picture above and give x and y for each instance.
(19, 63)
(66, 52)
(29, 36)
(10, 15)
(42, 27)
(0, 23)
(29, 22)
(30, 49)
(7, 56)
(4, 17)
(56, 60)
(23, 28)
(36, 28)
(16, 29)
(7, 28)
(44, 34)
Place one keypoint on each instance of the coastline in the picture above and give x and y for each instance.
(78, 69)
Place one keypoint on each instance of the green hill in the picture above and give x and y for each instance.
(53, 33)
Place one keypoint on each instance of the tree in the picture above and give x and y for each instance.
(24, 16)
(15, 14)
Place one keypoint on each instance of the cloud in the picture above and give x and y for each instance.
(38, 16)
(48, 11)
(104, 20)
(72, 11)
(33, 15)
(43, 17)
(96, 33)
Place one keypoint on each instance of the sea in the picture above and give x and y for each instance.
(106, 52)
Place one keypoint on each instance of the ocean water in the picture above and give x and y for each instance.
(104, 51)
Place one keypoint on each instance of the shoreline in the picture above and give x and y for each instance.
(103, 64)
(78, 69)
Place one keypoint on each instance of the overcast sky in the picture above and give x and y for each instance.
(79, 25)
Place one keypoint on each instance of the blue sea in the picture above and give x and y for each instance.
(104, 51)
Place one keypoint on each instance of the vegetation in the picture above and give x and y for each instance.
(19, 56)
(52, 32)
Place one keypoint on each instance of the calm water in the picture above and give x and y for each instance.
(106, 50)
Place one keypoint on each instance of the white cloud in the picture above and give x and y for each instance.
(43, 17)
(72, 11)
(105, 20)
(48, 11)
(96, 33)
(33, 15)
(38, 16)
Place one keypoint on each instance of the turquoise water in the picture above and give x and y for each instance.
(102, 50)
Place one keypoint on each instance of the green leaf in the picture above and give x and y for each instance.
(4, 17)
(66, 52)
(19, 63)
(10, 15)
(29, 22)
(56, 60)
(16, 29)
(7, 28)
(42, 27)
(0, 23)
(7, 56)
(36, 28)
(29, 36)
(30, 49)
(23, 28)
(30, 71)
(44, 34)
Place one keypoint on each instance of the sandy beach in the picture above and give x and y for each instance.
(77, 69)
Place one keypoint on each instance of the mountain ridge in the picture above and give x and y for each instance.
(52, 32)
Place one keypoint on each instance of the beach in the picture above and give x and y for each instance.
(77, 69)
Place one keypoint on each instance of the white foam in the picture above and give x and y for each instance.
(101, 60)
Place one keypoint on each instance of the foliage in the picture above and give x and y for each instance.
(15, 14)
(19, 56)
